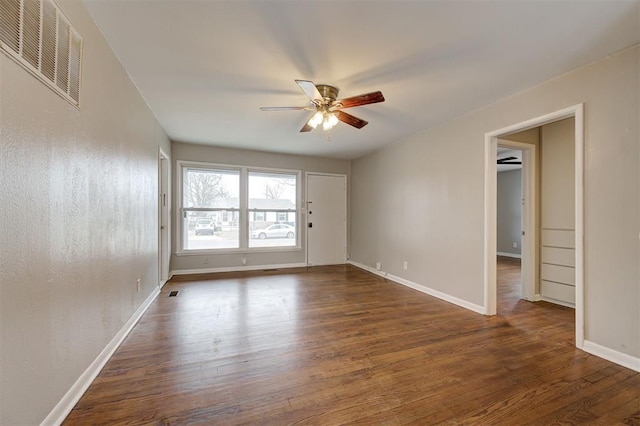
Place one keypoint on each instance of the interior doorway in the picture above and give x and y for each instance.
(164, 242)
(529, 244)
(510, 225)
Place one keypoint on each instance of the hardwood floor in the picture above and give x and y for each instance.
(337, 345)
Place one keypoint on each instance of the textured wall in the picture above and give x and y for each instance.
(78, 222)
(432, 186)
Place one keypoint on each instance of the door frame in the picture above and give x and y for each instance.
(164, 252)
(490, 208)
(306, 215)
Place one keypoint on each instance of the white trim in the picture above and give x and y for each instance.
(514, 255)
(579, 220)
(490, 224)
(162, 156)
(557, 302)
(73, 395)
(490, 290)
(421, 288)
(612, 355)
(236, 269)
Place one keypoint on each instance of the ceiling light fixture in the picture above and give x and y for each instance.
(327, 118)
(328, 109)
(330, 120)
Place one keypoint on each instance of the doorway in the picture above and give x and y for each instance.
(164, 242)
(510, 200)
(326, 219)
(490, 249)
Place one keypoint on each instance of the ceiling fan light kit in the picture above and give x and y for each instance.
(328, 109)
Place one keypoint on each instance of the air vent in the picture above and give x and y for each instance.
(37, 35)
(174, 293)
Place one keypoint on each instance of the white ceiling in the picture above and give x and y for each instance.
(205, 67)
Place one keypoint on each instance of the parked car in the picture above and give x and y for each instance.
(205, 227)
(279, 230)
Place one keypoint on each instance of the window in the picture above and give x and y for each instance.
(272, 199)
(210, 208)
(237, 208)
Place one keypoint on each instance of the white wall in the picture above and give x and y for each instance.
(433, 184)
(78, 222)
(509, 211)
(557, 212)
(236, 157)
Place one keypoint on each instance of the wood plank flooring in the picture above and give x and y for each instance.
(337, 345)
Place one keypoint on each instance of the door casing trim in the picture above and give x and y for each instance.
(490, 213)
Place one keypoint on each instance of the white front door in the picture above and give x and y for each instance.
(326, 219)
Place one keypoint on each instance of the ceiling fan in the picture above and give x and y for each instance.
(509, 160)
(328, 109)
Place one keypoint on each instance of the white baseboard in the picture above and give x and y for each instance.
(536, 298)
(424, 289)
(514, 255)
(236, 269)
(73, 395)
(612, 355)
(558, 302)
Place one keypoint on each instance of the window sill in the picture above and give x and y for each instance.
(239, 251)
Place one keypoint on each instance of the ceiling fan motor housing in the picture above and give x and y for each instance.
(328, 92)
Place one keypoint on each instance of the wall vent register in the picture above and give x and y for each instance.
(37, 35)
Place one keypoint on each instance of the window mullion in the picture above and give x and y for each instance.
(244, 204)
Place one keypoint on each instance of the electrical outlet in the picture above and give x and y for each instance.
(378, 266)
(244, 260)
(515, 245)
(405, 265)
(138, 284)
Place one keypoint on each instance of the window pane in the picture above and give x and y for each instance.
(275, 191)
(270, 192)
(211, 230)
(272, 232)
(207, 188)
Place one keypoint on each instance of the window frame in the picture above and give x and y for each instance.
(243, 209)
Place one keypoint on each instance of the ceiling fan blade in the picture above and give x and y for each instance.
(351, 120)
(509, 160)
(311, 90)
(307, 127)
(285, 108)
(367, 98)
